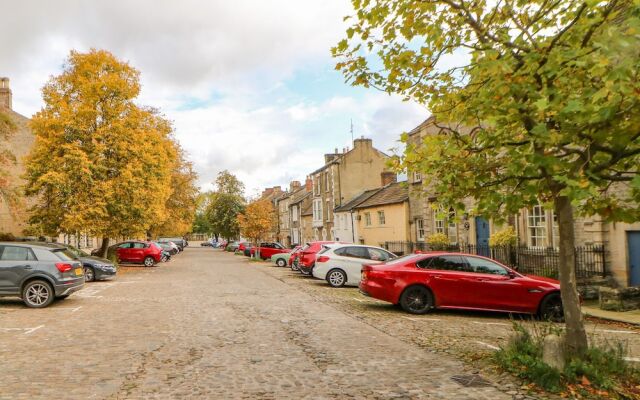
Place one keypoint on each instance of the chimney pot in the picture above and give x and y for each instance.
(5, 93)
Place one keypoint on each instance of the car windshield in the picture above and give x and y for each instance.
(64, 254)
(77, 252)
(403, 259)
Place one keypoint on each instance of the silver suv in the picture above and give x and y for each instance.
(38, 272)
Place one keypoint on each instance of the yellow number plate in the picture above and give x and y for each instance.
(79, 271)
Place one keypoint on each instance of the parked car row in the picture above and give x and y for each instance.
(423, 282)
(40, 272)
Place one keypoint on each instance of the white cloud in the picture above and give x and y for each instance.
(224, 71)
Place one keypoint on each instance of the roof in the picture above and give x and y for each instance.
(351, 204)
(308, 210)
(299, 196)
(393, 193)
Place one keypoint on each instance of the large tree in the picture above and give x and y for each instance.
(101, 164)
(257, 220)
(225, 203)
(180, 206)
(549, 88)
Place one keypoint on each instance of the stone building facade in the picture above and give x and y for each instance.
(342, 177)
(13, 220)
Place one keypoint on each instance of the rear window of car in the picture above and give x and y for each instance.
(64, 254)
(16, 253)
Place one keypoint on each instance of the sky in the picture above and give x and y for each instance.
(249, 85)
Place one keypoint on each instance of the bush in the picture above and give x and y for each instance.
(438, 241)
(600, 373)
(7, 237)
(506, 237)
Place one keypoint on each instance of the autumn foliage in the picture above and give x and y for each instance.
(102, 164)
(257, 220)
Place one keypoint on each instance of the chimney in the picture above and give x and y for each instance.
(5, 93)
(387, 177)
(362, 143)
(308, 184)
(294, 185)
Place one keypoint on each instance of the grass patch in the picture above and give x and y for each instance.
(601, 372)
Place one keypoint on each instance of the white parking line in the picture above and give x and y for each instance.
(489, 323)
(616, 331)
(490, 346)
(421, 319)
(26, 331)
(31, 330)
(357, 299)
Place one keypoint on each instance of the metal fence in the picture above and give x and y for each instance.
(543, 261)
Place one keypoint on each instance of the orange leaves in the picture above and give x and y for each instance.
(257, 219)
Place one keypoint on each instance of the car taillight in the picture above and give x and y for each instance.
(64, 267)
(322, 259)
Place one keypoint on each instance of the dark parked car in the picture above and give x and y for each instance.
(38, 272)
(182, 243)
(95, 268)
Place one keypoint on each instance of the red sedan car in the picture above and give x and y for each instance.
(267, 249)
(147, 253)
(421, 282)
(293, 258)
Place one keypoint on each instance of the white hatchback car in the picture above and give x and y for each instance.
(340, 264)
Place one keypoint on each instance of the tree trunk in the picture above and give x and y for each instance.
(104, 247)
(576, 339)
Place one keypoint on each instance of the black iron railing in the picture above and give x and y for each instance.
(543, 261)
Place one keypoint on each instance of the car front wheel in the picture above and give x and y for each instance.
(551, 308)
(336, 278)
(417, 300)
(89, 274)
(37, 294)
(149, 262)
(281, 262)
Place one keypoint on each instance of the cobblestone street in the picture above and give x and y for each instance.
(213, 325)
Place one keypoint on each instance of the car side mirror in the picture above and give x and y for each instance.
(511, 275)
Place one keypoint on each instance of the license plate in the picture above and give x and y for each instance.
(79, 272)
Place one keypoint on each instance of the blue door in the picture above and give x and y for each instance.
(482, 236)
(633, 244)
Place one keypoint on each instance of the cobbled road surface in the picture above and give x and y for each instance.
(212, 325)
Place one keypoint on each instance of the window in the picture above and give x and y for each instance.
(294, 215)
(379, 255)
(439, 223)
(356, 252)
(381, 220)
(445, 263)
(15, 253)
(367, 219)
(482, 266)
(417, 177)
(138, 245)
(328, 209)
(326, 181)
(555, 231)
(126, 245)
(420, 229)
(317, 210)
(446, 224)
(537, 226)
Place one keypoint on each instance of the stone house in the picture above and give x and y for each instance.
(342, 177)
(15, 220)
(536, 227)
(299, 201)
(273, 194)
(384, 216)
(306, 221)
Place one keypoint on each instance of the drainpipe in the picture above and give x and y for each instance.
(353, 232)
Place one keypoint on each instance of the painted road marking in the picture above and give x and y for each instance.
(489, 323)
(360, 300)
(73, 309)
(490, 346)
(26, 331)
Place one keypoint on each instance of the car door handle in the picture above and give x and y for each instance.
(24, 266)
(482, 279)
(437, 276)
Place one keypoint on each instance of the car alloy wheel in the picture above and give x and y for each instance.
(336, 278)
(164, 258)
(89, 275)
(281, 262)
(37, 294)
(149, 262)
(551, 308)
(294, 266)
(416, 300)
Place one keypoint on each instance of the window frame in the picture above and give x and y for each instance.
(367, 219)
(381, 221)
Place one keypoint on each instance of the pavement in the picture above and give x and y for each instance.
(212, 325)
(628, 317)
